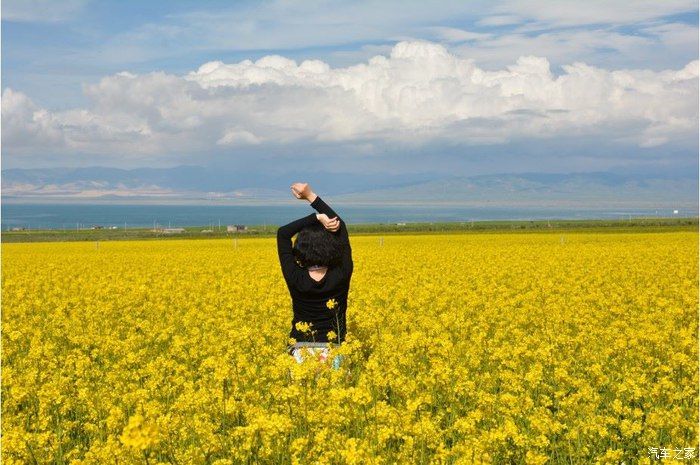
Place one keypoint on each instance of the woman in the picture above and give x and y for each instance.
(317, 270)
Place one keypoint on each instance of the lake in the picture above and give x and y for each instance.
(69, 216)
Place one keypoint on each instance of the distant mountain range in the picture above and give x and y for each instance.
(182, 182)
(589, 190)
(196, 183)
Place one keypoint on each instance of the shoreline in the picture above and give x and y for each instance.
(578, 204)
(633, 224)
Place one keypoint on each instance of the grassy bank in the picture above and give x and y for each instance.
(198, 232)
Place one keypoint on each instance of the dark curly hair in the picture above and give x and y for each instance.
(314, 245)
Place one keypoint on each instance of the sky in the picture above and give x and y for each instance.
(370, 86)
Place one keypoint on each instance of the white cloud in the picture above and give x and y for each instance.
(567, 46)
(574, 13)
(500, 20)
(24, 125)
(364, 53)
(451, 34)
(294, 25)
(420, 93)
(279, 25)
(675, 34)
(238, 137)
(341, 33)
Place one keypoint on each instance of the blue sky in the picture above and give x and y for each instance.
(467, 87)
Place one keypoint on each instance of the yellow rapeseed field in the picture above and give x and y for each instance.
(556, 348)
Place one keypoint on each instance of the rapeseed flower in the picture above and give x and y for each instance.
(111, 357)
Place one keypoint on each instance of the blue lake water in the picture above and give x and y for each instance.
(70, 216)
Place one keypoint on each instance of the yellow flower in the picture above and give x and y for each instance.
(303, 326)
(191, 386)
(534, 458)
(139, 434)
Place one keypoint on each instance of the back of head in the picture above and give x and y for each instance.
(315, 245)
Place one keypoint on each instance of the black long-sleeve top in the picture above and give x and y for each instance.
(310, 297)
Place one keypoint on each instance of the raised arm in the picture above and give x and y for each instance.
(303, 191)
(290, 270)
(322, 207)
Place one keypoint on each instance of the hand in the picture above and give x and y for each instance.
(331, 224)
(301, 190)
